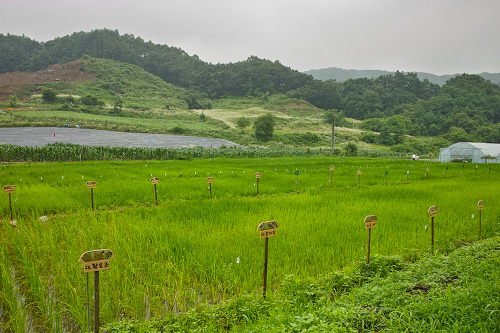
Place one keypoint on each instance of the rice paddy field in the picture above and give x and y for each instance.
(200, 245)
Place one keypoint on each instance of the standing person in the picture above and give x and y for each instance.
(414, 156)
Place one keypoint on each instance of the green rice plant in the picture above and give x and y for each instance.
(15, 318)
(191, 250)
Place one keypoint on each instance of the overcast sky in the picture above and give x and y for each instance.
(436, 36)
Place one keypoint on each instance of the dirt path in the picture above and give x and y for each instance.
(40, 136)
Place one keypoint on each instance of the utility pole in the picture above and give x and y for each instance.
(333, 130)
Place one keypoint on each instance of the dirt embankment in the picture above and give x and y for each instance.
(10, 83)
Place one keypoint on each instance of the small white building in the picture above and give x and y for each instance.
(475, 152)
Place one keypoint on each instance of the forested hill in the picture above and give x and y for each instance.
(173, 65)
(342, 75)
(465, 108)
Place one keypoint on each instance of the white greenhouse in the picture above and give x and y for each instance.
(474, 152)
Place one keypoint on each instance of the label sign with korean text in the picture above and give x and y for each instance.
(95, 266)
(210, 180)
(267, 229)
(370, 221)
(9, 188)
(91, 184)
(155, 180)
(332, 168)
(258, 175)
(480, 204)
(433, 211)
(96, 260)
(359, 172)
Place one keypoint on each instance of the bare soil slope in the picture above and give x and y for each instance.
(10, 83)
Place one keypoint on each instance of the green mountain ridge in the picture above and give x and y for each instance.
(342, 75)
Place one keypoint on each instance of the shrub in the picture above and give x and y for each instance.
(264, 127)
(351, 149)
(369, 137)
(243, 122)
(13, 100)
(178, 130)
(49, 94)
(91, 101)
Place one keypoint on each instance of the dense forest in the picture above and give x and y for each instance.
(466, 108)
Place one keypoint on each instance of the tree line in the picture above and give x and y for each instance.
(466, 108)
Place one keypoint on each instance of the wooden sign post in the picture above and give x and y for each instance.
(359, 178)
(480, 205)
(155, 181)
(370, 222)
(91, 186)
(407, 174)
(385, 177)
(210, 180)
(266, 229)
(10, 189)
(95, 261)
(427, 173)
(257, 176)
(432, 212)
(332, 168)
(296, 180)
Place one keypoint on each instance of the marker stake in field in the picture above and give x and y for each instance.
(210, 180)
(480, 205)
(10, 189)
(266, 229)
(155, 181)
(432, 212)
(427, 173)
(370, 222)
(91, 186)
(332, 168)
(296, 180)
(385, 177)
(359, 178)
(95, 261)
(257, 176)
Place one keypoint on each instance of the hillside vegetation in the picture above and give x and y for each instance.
(395, 111)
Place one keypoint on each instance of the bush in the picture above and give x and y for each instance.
(13, 100)
(298, 139)
(351, 149)
(49, 94)
(91, 101)
(243, 122)
(264, 127)
(178, 130)
(369, 137)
